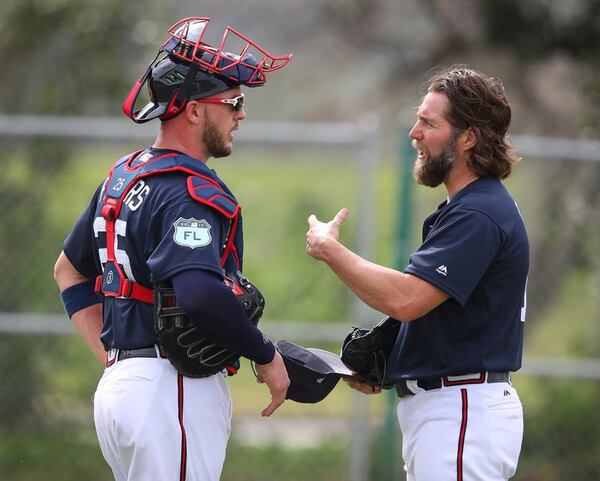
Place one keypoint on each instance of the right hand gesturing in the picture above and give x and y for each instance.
(275, 376)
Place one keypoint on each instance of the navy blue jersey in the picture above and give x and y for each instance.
(475, 249)
(160, 232)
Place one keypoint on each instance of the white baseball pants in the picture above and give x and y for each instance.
(461, 433)
(154, 424)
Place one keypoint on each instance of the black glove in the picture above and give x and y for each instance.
(366, 351)
(191, 353)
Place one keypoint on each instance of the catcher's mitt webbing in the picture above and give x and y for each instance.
(190, 352)
(365, 351)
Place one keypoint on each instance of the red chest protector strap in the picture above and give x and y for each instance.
(205, 192)
(113, 282)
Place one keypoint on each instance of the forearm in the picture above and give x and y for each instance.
(235, 333)
(88, 317)
(384, 289)
(88, 323)
(218, 315)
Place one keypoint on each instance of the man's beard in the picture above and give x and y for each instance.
(432, 171)
(213, 141)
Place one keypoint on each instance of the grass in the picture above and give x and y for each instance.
(66, 456)
(327, 462)
(44, 456)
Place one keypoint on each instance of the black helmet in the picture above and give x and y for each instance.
(187, 68)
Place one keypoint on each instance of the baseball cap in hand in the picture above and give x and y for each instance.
(313, 372)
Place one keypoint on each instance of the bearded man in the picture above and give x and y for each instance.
(461, 299)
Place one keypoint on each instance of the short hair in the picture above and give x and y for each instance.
(479, 102)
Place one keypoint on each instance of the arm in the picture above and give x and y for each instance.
(88, 321)
(402, 296)
(218, 315)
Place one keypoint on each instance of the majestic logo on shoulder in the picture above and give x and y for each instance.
(443, 270)
(191, 232)
(142, 159)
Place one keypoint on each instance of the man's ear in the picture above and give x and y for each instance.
(470, 138)
(194, 112)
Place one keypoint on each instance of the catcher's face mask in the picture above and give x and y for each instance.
(313, 372)
(187, 67)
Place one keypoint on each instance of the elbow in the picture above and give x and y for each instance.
(191, 305)
(415, 299)
(194, 303)
(406, 311)
(60, 270)
(56, 272)
(197, 291)
(65, 274)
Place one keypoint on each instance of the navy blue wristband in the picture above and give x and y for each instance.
(79, 296)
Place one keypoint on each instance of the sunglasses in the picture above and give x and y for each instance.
(237, 103)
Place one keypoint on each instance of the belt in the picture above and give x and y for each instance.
(115, 355)
(407, 388)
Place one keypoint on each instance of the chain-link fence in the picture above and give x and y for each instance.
(48, 376)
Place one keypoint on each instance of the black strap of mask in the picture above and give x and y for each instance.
(189, 79)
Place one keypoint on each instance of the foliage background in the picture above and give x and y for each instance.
(79, 57)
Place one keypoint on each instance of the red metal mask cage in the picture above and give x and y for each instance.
(237, 60)
(234, 50)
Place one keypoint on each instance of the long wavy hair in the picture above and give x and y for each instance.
(479, 102)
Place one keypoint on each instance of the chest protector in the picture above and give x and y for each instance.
(201, 186)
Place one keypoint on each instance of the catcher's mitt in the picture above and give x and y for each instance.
(365, 351)
(188, 351)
